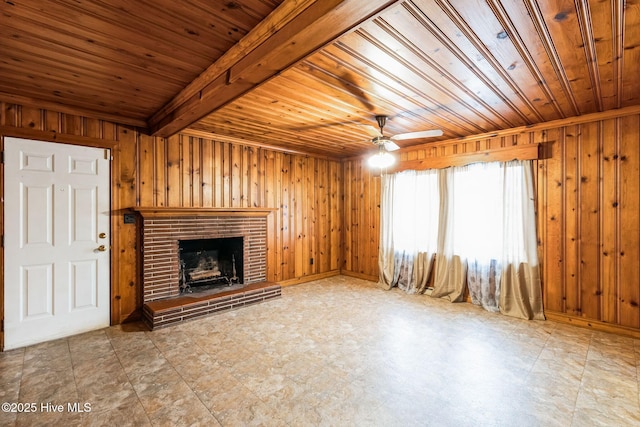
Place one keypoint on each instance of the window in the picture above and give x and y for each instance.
(478, 220)
(416, 203)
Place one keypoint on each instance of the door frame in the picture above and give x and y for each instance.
(113, 166)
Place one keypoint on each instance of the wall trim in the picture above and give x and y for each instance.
(362, 276)
(310, 278)
(569, 121)
(592, 324)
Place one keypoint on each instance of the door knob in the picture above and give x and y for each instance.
(102, 235)
(102, 248)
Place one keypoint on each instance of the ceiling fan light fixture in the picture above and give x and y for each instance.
(382, 159)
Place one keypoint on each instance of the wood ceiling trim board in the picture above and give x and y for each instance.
(487, 55)
(59, 27)
(450, 120)
(311, 29)
(586, 25)
(419, 30)
(35, 99)
(465, 60)
(521, 48)
(123, 81)
(67, 84)
(473, 124)
(342, 95)
(154, 27)
(253, 108)
(507, 58)
(618, 47)
(256, 129)
(83, 55)
(54, 106)
(234, 13)
(441, 72)
(309, 103)
(187, 20)
(603, 32)
(545, 37)
(561, 18)
(532, 39)
(287, 11)
(631, 38)
(72, 91)
(373, 102)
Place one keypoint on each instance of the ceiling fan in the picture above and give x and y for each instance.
(387, 142)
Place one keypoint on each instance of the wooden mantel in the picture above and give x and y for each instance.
(154, 212)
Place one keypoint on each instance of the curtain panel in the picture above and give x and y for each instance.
(409, 220)
(479, 223)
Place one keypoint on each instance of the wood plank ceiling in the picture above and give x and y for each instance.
(463, 66)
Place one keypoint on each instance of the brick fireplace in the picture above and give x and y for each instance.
(162, 230)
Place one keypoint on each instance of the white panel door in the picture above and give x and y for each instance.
(56, 262)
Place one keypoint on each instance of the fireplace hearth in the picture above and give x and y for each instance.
(190, 255)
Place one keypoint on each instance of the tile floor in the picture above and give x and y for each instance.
(339, 352)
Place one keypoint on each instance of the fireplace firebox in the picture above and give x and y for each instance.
(208, 263)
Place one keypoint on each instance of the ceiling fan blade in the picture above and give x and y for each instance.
(371, 130)
(415, 135)
(391, 146)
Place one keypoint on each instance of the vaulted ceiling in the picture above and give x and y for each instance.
(307, 75)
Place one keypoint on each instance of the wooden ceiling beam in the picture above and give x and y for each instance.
(294, 30)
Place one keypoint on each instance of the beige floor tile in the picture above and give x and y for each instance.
(338, 351)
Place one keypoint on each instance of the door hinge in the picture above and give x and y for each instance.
(2, 241)
(2, 157)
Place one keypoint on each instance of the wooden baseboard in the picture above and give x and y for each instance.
(304, 279)
(359, 275)
(592, 324)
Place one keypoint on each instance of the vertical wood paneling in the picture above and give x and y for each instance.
(608, 188)
(125, 235)
(629, 254)
(270, 200)
(174, 177)
(147, 162)
(287, 227)
(551, 221)
(184, 171)
(588, 207)
(248, 176)
(572, 222)
(278, 202)
(361, 218)
(160, 186)
(589, 230)
(336, 209)
(300, 217)
(206, 164)
(588, 204)
(196, 178)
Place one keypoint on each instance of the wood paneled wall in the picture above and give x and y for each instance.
(588, 203)
(588, 200)
(361, 220)
(188, 171)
